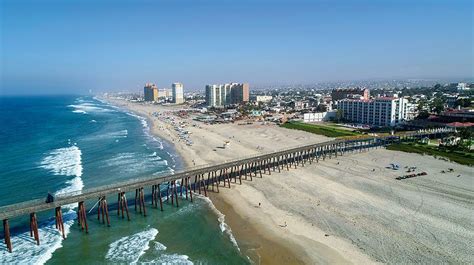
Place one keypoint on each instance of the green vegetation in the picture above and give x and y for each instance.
(454, 154)
(326, 130)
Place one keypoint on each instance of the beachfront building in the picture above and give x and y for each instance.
(226, 94)
(239, 93)
(354, 93)
(178, 93)
(383, 111)
(150, 92)
(319, 116)
(264, 98)
(165, 93)
(463, 86)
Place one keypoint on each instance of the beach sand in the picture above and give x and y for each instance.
(344, 210)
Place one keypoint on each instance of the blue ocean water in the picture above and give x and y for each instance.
(65, 144)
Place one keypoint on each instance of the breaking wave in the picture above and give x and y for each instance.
(26, 252)
(65, 162)
(225, 228)
(146, 129)
(134, 162)
(173, 259)
(131, 248)
(87, 107)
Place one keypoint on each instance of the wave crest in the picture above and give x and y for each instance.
(65, 161)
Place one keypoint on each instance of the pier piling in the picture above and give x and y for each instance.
(6, 231)
(247, 167)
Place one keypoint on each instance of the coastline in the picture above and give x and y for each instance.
(345, 210)
(261, 247)
(261, 234)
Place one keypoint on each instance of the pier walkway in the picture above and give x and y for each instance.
(200, 179)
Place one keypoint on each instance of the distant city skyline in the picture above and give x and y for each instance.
(63, 47)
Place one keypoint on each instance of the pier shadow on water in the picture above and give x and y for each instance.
(188, 234)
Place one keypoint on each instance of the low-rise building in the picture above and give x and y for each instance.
(463, 86)
(165, 93)
(319, 116)
(354, 93)
(263, 98)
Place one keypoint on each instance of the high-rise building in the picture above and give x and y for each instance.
(178, 93)
(226, 94)
(384, 111)
(150, 92)
(240, 93)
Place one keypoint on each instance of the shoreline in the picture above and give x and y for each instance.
(262, 249)
(340, 210)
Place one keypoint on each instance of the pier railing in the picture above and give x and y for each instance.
(9, 211)
(226, 170)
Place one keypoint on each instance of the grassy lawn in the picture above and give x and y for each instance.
(461, 157)
(329, 131)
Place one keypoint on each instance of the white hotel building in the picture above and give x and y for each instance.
(384, 111)
(178, 93)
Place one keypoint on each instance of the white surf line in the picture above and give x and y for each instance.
(62, 162)
(130, 248)
(221, 218)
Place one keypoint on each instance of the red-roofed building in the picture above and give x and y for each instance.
(460, 124)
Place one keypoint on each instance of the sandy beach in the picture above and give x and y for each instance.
(340, 211)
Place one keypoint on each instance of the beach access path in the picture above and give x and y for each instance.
(344, 210)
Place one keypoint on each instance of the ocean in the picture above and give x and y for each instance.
(63, 144)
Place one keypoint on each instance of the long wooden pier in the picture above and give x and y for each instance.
(199, 179)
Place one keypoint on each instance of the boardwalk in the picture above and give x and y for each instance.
(200, 179)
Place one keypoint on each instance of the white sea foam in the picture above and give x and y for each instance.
(75, 185)
(109, 135)
(168, 259)
(134, 162)
(87, 107)
(131, 248)
(27, 252)
(159, 246)
(64, 161)
(225, 228)
(146, 128)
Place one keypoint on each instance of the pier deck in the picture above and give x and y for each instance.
(225, 171)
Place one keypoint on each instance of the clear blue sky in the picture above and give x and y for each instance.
(72, 46)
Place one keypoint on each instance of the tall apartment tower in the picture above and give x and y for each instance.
(150, 92)
(240, 93)
(178, 93)
(225, 94)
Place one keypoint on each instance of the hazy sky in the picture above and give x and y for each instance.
(72, 46)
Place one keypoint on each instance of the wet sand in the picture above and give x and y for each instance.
(259, 247)
(339, 211)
